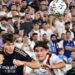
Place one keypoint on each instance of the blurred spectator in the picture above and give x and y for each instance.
(37, 18)
(5, 2)
(13, 2)
(2, 13)
(35, 4)
(16, 24)
(68, 46)
(63, 38)
(61, 53)
(59, 24)
(33, 39)
(27, 47)
(45, 38)
(5, 8)
(72, 9)
(7, 27)
(23, 6)
(43, 5)
(19, 39)
(53, 44)
(27, 25)
(67, 28)
(73, 29)
(46, 30)
(26, 44)
(67, 15)
(52, 24)
(72, 70)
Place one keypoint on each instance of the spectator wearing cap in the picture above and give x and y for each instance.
(51, 19)
(13, 11)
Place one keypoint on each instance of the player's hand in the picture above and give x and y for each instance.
(46, 66)
(1, 59)
(18, 62)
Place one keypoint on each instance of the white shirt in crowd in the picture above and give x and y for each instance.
(53, 60)
(48, 32)
(59, 27)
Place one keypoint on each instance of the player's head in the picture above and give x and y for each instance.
(41, 49)
(8, 43)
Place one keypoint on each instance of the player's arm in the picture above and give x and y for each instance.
(26, 60)
(31, 64)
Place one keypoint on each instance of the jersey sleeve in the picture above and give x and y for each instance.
(55, 59)
(21, 55)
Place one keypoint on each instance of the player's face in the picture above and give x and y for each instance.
(41, 53)
(9, 48)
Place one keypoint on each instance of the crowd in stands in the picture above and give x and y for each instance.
(35, 20)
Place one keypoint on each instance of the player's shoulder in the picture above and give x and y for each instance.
(20, 51)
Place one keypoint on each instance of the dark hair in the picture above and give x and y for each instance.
(67, 23)
(4, 18)
(73, 24)
(33, 36)
(71, 6)
(41, 44)
(68, 32)
(8, 37)
(53, 35)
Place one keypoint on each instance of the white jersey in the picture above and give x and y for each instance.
(53, 59)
